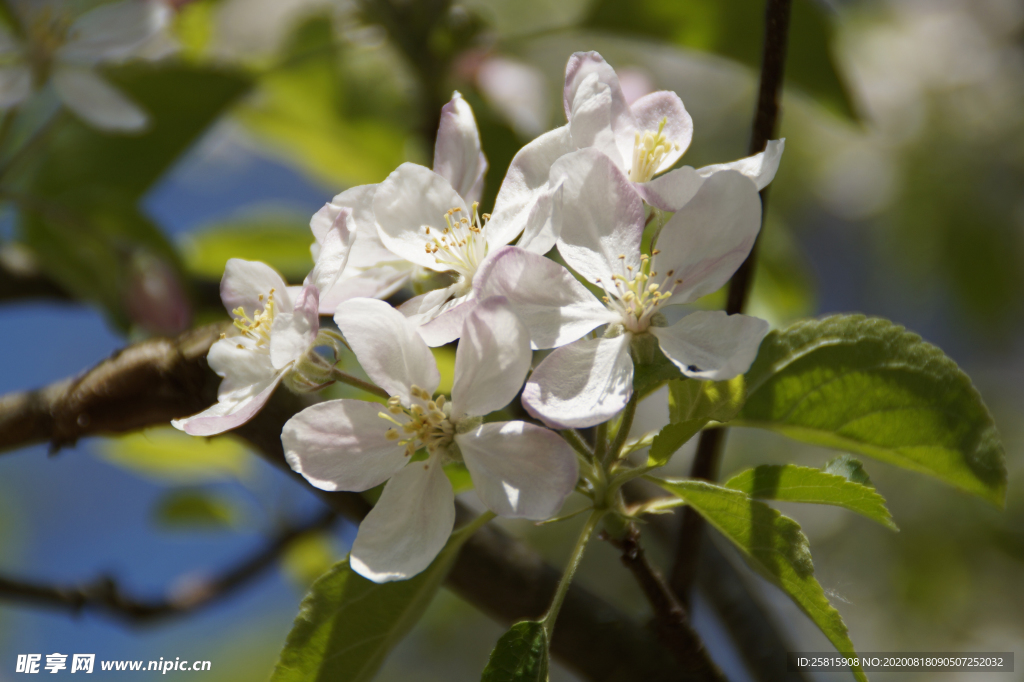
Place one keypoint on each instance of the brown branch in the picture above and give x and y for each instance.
(671, 621)
(155, 381)
(104, 595)
(712, 441)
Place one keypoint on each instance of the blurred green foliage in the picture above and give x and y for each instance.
(171, 457)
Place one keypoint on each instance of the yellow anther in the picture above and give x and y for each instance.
(391, 434)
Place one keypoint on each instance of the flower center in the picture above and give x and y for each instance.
(460, 246)
(258, 328)
(635, 297)
(648, 151)
(425, 423)
(47, 32)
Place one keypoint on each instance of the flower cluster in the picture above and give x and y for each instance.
(640, 237)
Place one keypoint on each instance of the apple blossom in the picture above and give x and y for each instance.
(54, 48)
(587, 381)
(518, 469)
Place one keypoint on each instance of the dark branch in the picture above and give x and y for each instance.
(712, 441)
(104, 595)
(155, 381)
(671, 621)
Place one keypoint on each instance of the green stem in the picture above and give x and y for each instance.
(601, 442)
(475, 525)
(572, 437)
(347, 378)
(570, 571)
(624, 426)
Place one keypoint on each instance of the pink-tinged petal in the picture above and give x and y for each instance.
(457, 155)
(423, 309)
(760, 168)
(114, 31)
(341, 445)
(671, 191)
(411, 199)
(245, 281)
(582, 384)
(231, 411)
(15, 86)
(519, 469)
(491, 361)
(409, 525)
(553, 305)
(335, 248)
(544, 224)
(591, 121)
(96, 101)
(292, 334)
(656, 107)
(711, 345)
(602, 216)
(447, 325)
(387, 346)
(359, 200)
(524, 183)
(706, 241)
(580, 66)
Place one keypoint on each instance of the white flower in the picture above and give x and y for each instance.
(66, 53)
(428, 220)
(518, 469)
(590, 380)
(642, 140)
(275, 328)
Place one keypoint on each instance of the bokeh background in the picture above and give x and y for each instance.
(901, 194)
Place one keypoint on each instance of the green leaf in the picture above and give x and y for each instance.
(735, 29)
(347, 625)
(692, 404)
(772, 544)
(651, 368)
(194, 510)
(167, 455)
(521, 655)
(281, 242)
(869, 387)
(791, 483)
(849, 468)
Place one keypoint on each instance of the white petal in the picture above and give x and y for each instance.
(341, 445)
(760, 168)
(671, 191)
(580, 66)
(602, 216)
(376, 282)
(359, 200)
(457, 155)
(96, 101)
(544, 224)
(408, 526)
(387, 346)
(114, 31)
(709, 344)
(438, 314)
(582, 384)
(519, 469)
(335, 248)
(292, 334)
(241, 364)
(524, 182)
(706, 241)
(650, 110)
(15, 85)
(232, 410)
(409, 200)
(553, 305)
(245, 281)
(491, 361)
(591, 124)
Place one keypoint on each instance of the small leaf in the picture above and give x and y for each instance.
(671, 438)
(867, 386)
(347, 625)
(167, 455)
(194, 510)
(692, 404)
(521, 655)
(849, 468)
(773, 545)
(791, 483)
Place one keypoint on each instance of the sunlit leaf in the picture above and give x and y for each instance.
(773, 545)
(308, 558)
(521, 655)
(849, 468)
(791, 483)
(169, 456)
(870, 387)
(347, 625)
(279, 241)
(194, 510)
(692, 404)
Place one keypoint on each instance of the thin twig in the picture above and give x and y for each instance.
(712, 441)
(105, 595)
